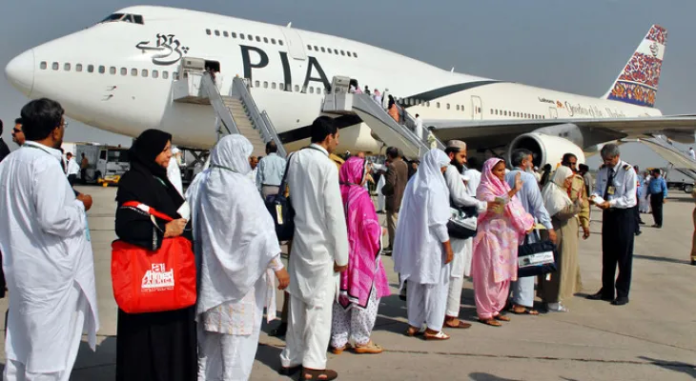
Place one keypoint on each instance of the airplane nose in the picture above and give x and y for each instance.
(20, 72)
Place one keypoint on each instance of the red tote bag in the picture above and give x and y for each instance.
(153, 281)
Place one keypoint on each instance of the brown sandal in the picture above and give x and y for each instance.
(460, 325)
(436, 336)
(338, 351)
(492, 322)
(501, 318)
(319, 374)
(369, 348)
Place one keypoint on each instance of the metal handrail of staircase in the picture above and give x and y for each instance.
(271, 129)
(216, 101)
(260, 121)
(411, 121)
(366, 104)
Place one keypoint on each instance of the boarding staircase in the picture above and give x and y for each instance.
(392, 133)
(237, 113)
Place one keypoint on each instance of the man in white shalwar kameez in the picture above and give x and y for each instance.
(47, 256)
(319, 252)
(174, 172)
(422, 252)
(239, 253)
(462, 248)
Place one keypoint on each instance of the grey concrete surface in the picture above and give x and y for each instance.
(652, 338)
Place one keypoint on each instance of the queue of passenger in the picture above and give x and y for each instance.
(336, 276)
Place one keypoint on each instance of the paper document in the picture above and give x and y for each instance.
(185, 211)
(597, 200)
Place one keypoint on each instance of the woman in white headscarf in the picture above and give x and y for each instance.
(239, 252)
(564, 283)
(422, 250)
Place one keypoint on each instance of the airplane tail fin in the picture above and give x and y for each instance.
(637, 83)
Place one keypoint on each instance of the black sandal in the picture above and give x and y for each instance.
(289, 371)
(319, 374)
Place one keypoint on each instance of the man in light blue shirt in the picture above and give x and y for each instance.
(270, 171)
(533, 203)
(657, 189)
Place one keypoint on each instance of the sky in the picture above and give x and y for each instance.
(578, 47)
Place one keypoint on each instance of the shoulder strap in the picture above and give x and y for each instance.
(284, 181)
(147, 209)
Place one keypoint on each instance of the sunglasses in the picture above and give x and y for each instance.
(16, 130)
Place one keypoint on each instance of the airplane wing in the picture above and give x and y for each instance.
(665, 150)
(487, 133)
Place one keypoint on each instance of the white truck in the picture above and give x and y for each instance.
(106, 164)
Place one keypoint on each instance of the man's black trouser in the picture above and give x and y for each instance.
(618, 234)
(656, 202)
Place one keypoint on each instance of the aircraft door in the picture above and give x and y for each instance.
(553, 113)
(476, 107)
(296, 48)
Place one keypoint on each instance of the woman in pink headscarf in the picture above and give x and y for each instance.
(500, 230)
(365, 281)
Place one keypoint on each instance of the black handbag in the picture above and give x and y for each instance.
(281, 209)
(538, 258)
(463, 221)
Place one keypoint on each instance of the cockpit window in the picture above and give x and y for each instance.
(113, 17)
(124, 17)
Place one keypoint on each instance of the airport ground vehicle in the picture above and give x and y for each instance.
(106, 164)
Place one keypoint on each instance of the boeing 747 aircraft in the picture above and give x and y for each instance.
(119, 75)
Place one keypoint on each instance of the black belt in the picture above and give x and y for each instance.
(266, 185)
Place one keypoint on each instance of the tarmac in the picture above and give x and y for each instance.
(652, 338)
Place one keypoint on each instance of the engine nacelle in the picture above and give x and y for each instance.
(547, 149)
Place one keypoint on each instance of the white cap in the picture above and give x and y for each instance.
(175, 150)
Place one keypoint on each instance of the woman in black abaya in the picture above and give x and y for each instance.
(157, 346)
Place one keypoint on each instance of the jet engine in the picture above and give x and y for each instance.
(547, 149)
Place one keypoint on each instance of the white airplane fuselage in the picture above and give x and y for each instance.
(116, 89)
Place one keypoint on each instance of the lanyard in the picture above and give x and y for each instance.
(161, 181)
(39, 148)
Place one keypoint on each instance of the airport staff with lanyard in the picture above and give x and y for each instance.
(615, 194)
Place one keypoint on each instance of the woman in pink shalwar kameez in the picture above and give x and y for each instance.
(365, 281)
(500, 230)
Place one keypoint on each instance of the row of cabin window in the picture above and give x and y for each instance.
(516, 114)
(243, 36)
(112, 70)
(416, 102)
(282, 87)
(332, 51)
(266, 40)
